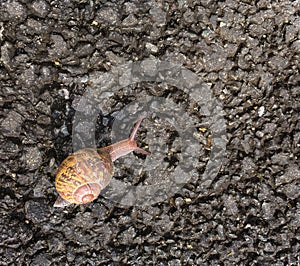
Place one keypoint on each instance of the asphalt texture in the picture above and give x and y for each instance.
(245, 53)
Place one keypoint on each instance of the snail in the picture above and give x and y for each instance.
(84, 173)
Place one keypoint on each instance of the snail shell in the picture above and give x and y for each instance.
(76, 182)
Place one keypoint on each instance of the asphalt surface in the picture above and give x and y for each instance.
(221, 86)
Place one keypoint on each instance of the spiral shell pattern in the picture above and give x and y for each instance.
(83, 174)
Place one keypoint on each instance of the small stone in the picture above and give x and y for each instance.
(151, 47)
(214, 60)
(230, 204)
(268, 210)
(158, 16)
(37, 211)
(261, 111)
(7, 149)
(58, 47)
(269, 247)
(40, 8)
(41, 259)
(179, 201)
(189, 16)
(280, 158)
(259, 133)
(278, 62)
(15, 10)
(7, 52)
(130, 21)
(32, 158)
(290, 190)
(11, 125)
(108, 15)
(84, 50)
(292, 173)
(43, 120)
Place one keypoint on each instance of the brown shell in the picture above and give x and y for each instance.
(83, 174)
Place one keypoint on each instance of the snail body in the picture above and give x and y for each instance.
(84, 173)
